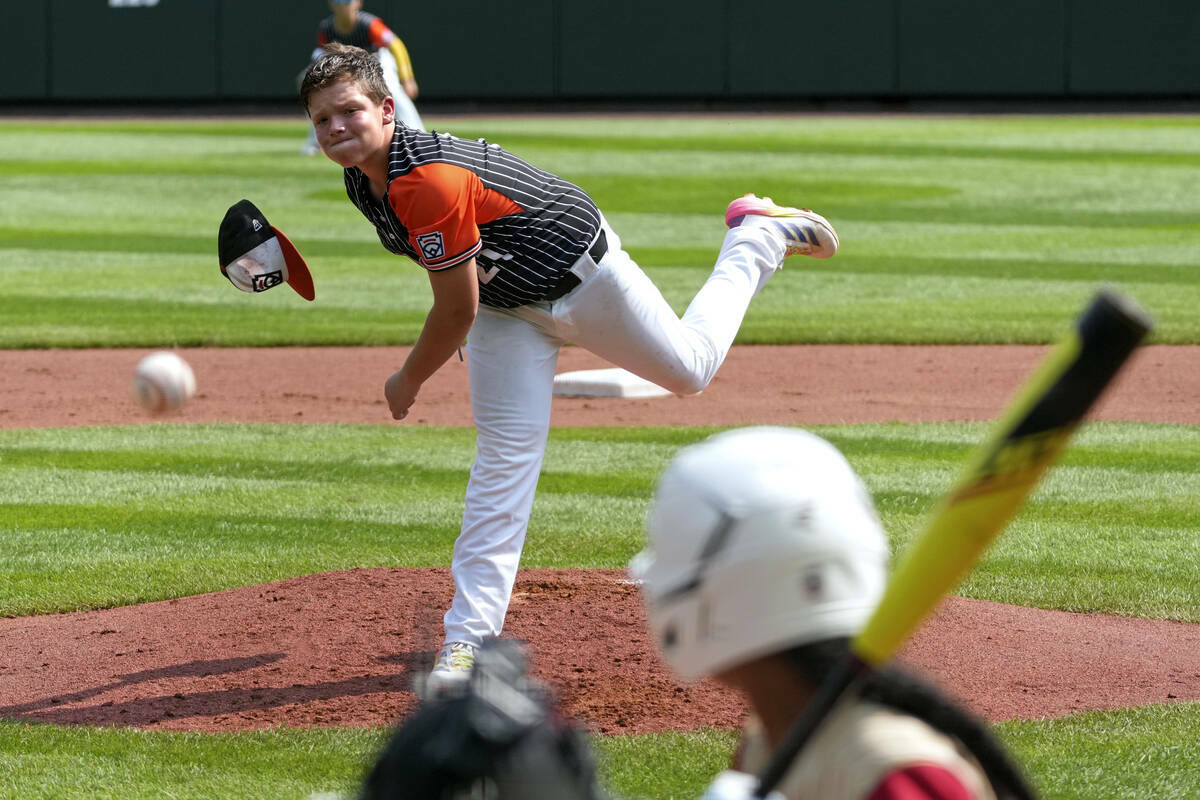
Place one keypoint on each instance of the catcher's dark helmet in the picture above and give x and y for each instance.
(500, 738)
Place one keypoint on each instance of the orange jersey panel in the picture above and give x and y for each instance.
(442, 206)
(381, 35)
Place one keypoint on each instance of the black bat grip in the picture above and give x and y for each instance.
(1110, 328)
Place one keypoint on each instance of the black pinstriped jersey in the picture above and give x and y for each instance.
(547, 224)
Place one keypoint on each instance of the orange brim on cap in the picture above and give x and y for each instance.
(299, 278)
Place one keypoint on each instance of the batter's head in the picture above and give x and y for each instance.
(343, 62)
(760, 539)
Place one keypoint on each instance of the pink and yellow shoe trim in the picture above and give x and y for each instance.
(805, 232)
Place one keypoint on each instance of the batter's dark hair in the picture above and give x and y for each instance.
(343, 62)
(899, 690)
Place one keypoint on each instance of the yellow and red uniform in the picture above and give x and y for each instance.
(370, 33)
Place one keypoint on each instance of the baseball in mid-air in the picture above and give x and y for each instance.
(163, 381)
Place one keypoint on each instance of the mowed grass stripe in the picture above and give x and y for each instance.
(110, 516)
(843, 308)
(1119, 755)
(959, 139)
(45, 761)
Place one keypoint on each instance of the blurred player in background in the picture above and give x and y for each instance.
(765, 556)
(520, 262)
(349, 24)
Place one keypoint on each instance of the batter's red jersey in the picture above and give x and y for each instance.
(449, 199)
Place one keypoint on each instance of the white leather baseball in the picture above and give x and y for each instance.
(163, 381)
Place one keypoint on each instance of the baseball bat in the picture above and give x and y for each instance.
(999, 475)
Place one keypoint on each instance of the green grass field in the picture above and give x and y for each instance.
(954, 229)
(104, 517)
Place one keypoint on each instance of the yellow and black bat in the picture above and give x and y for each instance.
(999, 476)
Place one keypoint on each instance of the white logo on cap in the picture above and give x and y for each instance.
(257, 225)
(432, 246)
(266, 280)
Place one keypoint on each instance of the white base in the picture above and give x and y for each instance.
(614, 382)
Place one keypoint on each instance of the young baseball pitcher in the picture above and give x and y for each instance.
(520, 262)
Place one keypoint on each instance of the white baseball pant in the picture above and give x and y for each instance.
(615, 312)
(406, 111)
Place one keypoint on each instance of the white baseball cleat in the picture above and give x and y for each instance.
(453, 668)
(805, 232)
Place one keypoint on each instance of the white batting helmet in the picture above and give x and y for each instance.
(760, 539)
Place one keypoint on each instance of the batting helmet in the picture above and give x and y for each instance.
(760, 539)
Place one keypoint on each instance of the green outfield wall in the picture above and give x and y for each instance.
(217, 50)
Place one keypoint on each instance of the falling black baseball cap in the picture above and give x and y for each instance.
(256, 256)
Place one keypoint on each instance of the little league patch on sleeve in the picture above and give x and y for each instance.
(431, 245)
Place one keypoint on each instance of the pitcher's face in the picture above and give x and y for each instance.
(350, 127)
